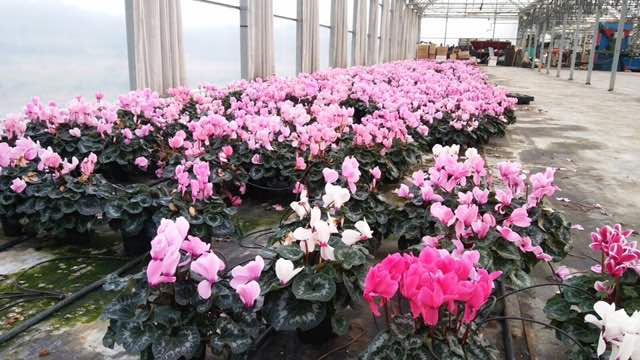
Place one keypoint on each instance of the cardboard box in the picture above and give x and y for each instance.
(432, 50)
(441, 57)
(441, 50)
(493, 61)
(422, 51)
(453, 56)
(463, 55)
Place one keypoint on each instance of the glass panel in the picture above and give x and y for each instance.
(228, 2)
(325, 39)
(211, 43)
(325, 12)
(60, 49)
(288, 8)
(284, 37)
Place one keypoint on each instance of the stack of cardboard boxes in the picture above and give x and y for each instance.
(440, 53)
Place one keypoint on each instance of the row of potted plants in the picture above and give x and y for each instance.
(196, 153)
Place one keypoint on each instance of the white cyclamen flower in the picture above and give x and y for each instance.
(285, 271)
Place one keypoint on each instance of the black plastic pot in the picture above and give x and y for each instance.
(116, 173)
(272, 192)
(139, 243)
(76, 237)
(11, 226)
(319, 334)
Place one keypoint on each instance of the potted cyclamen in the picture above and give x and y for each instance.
(431, 302)
(320, 269)
(598, 310)
(186, 302)
(456, 204)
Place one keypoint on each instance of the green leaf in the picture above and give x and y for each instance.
(126, 307)
(507, 250)
(89, 206)
(213, 219)
(519, 279)
(232, 335)
(256, 172)
(166, 315)
(286, 313)
(113, 210)
(339, 324)
(314, 287)
(557, 308)
(292, 253)
(134, 336)
(350, 256)
(185, 343)
(402, 326)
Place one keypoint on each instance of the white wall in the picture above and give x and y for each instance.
(433, 29)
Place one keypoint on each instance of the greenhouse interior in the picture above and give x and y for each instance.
(320, 179)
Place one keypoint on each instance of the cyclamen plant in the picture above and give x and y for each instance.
(319, 274)
(185, 302)
(430, 303)
(613, 283)
(508, 224)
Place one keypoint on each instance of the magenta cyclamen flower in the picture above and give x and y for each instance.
(434, 279)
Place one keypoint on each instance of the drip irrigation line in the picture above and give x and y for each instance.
(507, 339)
(502, 318)
(268, 188)
(355, 338)
(12, 243)
(499, 298)
(68, 300)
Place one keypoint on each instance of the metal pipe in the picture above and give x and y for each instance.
(544, 35)
(592, 53)
(550, 53)
(564, 29)
(535, 47)
(619, 38)
(575, 43)
(244, 39)
(446, 24)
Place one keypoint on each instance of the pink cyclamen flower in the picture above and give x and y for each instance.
(519, 218)
(404, 192)
(18, 185)
(378, 285)
(75, 132)
(88, 164)
(165, 251)
(142, 163)
(242, 274)
(194, 246)
(207, 266)
(563, 272)
(177, 141)
(443, 214)
(300, 164)
(248, 293)
(351, 172)
(330, 175)
(481, 196)
(256, 159)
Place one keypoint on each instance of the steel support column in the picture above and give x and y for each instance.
(592, 53)
(535, 46)
(562, 39)
(574, 51)
(616, 52)
(244, 39)
(550, 52)
(542, 37)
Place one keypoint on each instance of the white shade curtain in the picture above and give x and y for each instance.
(360, 33)
(385, 31)
(260, 56)
(372, 41)
(338, 41)
(308, 36)
(158, 53)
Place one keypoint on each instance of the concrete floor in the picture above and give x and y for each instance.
(592, 137)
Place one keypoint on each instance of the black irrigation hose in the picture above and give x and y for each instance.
(542, 285)
(68, 300)
(268, 188)
(506, 331)
(502, 318)
(14, 242)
